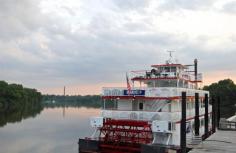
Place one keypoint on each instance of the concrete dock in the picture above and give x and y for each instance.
(220, 142)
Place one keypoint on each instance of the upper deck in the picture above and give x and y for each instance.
(164, 81)
(167, 72)
(149, 93)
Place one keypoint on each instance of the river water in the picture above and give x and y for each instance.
(54, 130)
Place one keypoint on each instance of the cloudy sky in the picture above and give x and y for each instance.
(88, 44)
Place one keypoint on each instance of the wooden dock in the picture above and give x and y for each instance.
(220, 142)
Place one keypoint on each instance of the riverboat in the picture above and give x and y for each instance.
(145, 115)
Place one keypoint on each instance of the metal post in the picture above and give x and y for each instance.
(196, 119)
(183, 124)
(218, 111)
(213, 115)
(195, 72)
(206, 115)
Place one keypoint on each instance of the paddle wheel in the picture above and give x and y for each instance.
(124, 135)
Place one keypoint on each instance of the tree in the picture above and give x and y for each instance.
(226, 90)
(17, 102)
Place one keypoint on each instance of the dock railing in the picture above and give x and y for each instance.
(227, 125)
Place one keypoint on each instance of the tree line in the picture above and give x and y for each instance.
(226, 91)
(94, 101)
(18, 102)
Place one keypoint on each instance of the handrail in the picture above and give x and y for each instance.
(227, 125)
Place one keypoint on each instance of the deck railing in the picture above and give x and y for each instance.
(152, 92)
(144, 74)
(140, 115)
(227, 125)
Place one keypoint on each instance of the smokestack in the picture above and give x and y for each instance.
(195, 72)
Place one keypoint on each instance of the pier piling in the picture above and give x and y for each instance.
(196, 119)
(183, 124)
(206, 116)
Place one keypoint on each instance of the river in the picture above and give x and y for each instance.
(54, 130)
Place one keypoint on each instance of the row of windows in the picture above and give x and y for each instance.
(170, 83)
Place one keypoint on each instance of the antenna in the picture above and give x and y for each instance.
(171, 58)
(170, 53)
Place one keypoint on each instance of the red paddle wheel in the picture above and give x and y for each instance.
(124, 136)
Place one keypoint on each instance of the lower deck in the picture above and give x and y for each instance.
(94, 146)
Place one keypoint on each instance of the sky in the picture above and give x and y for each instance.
(89, 44)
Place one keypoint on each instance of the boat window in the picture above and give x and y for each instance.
(169, 126)
(169, 107)
(173, 69)
(167, 69)
(166, 83)
(150, 84)
(173, 126)
(140, 106)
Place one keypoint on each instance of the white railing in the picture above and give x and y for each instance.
(185, 75)
(143, 74)
(154, 92)
(148, 116)
(141, 115)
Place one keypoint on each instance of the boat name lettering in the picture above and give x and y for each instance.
(134, 92)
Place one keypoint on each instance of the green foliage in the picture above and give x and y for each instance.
(226, 90)
(17, 102)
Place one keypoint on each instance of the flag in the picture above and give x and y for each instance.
(128, 85)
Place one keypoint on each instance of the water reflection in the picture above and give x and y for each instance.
(19, 114)
(55, 130)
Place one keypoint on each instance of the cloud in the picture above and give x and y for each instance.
(19, 18)
(229, 7)
(131, 4)
(47, 44)
(173, 5)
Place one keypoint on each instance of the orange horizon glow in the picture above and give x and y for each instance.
(96, 89)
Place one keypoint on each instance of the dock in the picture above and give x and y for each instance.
(222, 141)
